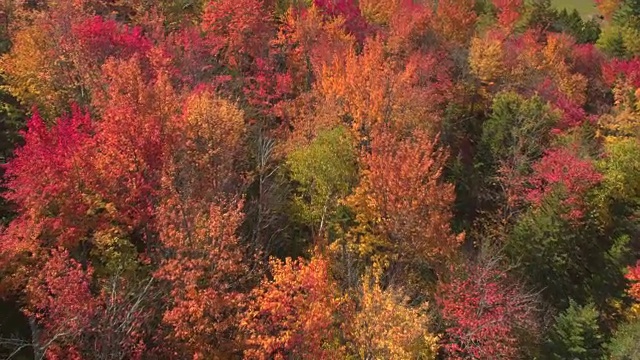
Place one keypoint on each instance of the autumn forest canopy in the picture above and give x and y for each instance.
(319, 179)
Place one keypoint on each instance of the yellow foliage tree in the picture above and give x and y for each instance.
(608, 7)
(379, 11)
(624, 121)
(554, 60)
(31, 72)
(486, 58)
(384, 327)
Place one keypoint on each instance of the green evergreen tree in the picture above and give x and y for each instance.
(568, 261)
(576, 334)
(628, 14)
(612, 43)
(625, 344)
(513, 137)
(518, 128)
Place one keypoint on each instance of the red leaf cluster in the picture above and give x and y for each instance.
(45, 176)
(633, 275)
(484, 311)
(103, 38)
(562, 169)
(354, 22)
(626, 72)
(508, 12)
(236, 29)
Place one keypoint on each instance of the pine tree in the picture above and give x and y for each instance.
(576, 334)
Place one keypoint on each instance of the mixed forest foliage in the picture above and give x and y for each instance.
(319, 179)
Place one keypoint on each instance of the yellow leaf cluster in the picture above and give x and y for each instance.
(554, 60)
(624, 121)
(378, 11)
(114, 252)
(30, 71)
(215, 119)
(384, 327)
(608, 7)
(211, 132)
(486, 58)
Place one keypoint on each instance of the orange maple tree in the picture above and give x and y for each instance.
(401, 203)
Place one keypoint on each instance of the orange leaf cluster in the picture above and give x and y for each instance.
(293, 314)
(401, 200)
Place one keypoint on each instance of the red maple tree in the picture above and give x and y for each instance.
(484, 312)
